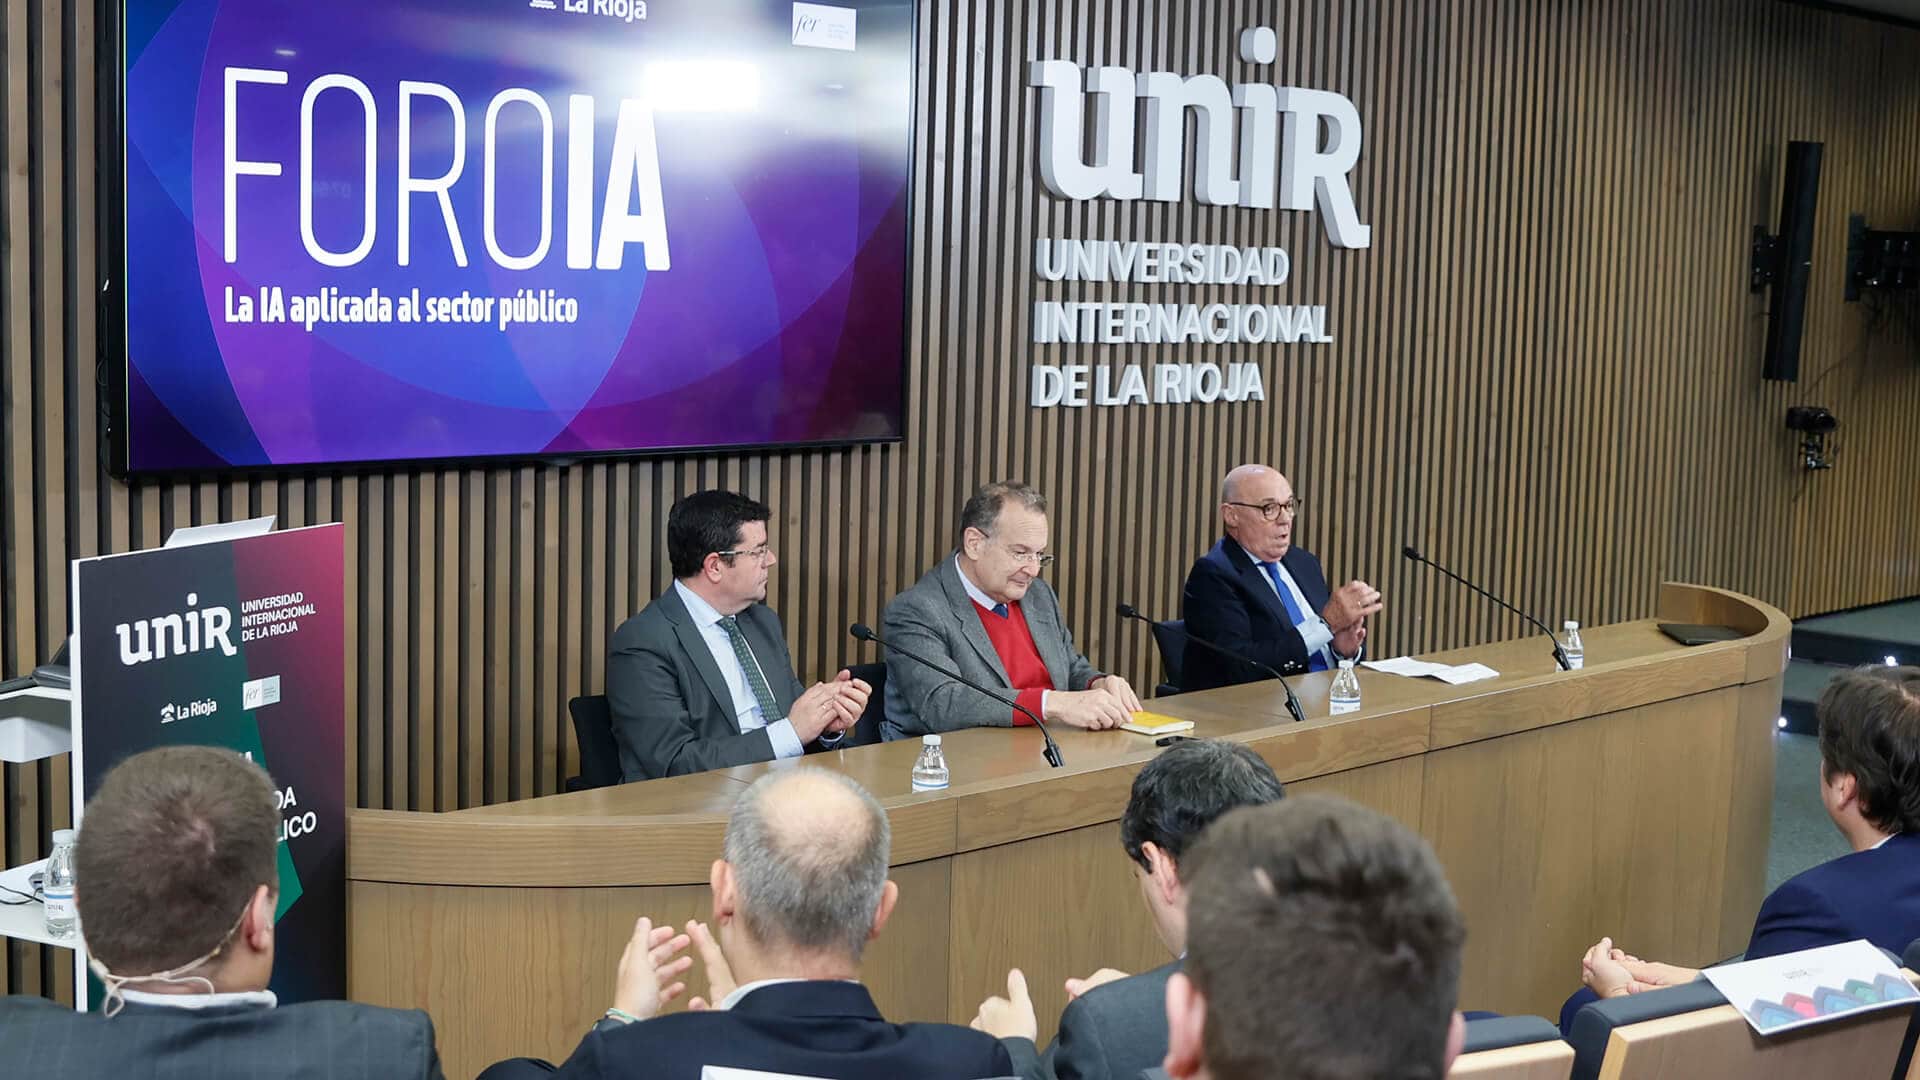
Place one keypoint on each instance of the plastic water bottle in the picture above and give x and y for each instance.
(930, 769)
(56, 887)
(1345, 695)
(1570, 644)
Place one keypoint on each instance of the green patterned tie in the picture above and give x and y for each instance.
(769, 712)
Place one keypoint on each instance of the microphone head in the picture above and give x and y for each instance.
(1411, 554)
(861, 631)
(1127, 611)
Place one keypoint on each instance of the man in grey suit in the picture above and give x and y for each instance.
(701, 678)
(1115, 1024)
(986, 613)
(176, 876)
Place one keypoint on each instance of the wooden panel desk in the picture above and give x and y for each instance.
(1631, 798)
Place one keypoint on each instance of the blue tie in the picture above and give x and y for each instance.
(1315, 662)
(1000, 610)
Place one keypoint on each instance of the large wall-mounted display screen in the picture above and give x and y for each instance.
(393, 230)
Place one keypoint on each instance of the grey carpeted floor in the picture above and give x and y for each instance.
(1803, 836)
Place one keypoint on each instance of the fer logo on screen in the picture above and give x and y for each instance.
(823, 26)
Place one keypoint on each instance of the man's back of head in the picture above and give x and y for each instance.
(1323, 942)
(806, 854)
(175, 848)
(1175, 798)
(1870, 748)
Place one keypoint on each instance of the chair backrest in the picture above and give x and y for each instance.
(1710, 1040)
(593, 729)
(1513, 1048)
(1171, 637)
(866, 730)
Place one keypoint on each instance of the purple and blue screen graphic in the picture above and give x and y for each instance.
(386, 230)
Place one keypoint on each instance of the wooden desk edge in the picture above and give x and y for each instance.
(468, 848)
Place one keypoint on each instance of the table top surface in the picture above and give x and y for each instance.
(984, 758)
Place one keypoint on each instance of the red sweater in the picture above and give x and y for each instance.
(1013, 641)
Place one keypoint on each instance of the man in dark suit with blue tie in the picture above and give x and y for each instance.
(177, 876)
(1870, 784)
(1258, 595)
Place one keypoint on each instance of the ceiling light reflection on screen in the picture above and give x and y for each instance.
(689, 86)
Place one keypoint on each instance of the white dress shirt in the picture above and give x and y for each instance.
(262, 998)
(1313, 629)
(746, 708)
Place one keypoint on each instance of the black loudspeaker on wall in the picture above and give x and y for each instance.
(1785, 261)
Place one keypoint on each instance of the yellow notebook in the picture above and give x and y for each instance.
(1148, 723)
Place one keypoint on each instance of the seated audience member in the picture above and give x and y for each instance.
(802, 890)
(701, 678)
(176, 876)
(1323, 943)
(1115, 1025)
(1869, 721)
(1265, 597)
(986, 614)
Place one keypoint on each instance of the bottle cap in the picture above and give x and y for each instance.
(1570, 625)
(930, 740)
(63, 836)
(1346, 665)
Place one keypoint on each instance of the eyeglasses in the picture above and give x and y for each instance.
(1038, 559)
(762, 554)
(1271, 510)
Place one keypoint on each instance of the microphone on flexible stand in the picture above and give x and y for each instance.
(1559, 656)
(1128, 611)
(863, 632)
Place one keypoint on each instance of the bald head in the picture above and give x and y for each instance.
(1244, 496)
(1243, 477)
(808, 848)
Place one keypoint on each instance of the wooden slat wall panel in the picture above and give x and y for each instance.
(1545, 371)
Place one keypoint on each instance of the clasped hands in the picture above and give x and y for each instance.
(1107, 702)
(1346, 615)
(1611, 972)
(828, 708)
(648, 978)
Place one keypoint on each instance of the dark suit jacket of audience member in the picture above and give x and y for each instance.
(672, 711)
(1872, 894)
(323, 1040)
(1111, 1032)
(1229, 600)
(812, 1028)
(936, 618)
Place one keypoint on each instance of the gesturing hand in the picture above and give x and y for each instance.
(1076, 987)
(720, 984)
(644, 983)
(1010, 1016)
(1349, 604)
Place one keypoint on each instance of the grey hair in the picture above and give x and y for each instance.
(983, 506)
(808, 890)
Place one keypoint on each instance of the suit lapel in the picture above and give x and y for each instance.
(969, 619)
(696, 650)
(1043, 622)
(1255, 579)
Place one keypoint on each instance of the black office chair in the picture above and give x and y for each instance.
(866, 730)
(1500, 1032)
(1171, 637)
(599, 756)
